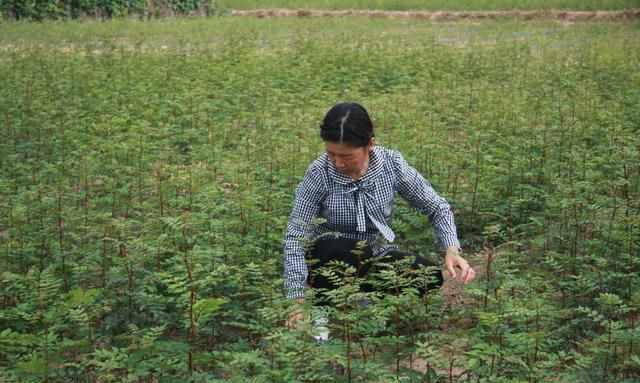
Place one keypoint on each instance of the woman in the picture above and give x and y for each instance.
(352, 187)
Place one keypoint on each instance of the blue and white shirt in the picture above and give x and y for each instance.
(358, 209)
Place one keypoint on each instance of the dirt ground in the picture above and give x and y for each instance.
(571, 16)
(452, 290)
(454, 295)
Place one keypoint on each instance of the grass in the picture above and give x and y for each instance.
(436, 5)
(147, 170)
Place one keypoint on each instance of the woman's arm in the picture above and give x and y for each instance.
(308, 200)
(414, 188)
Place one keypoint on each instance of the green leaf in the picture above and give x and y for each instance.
(204, 308)
(79, 296)
(35, 366)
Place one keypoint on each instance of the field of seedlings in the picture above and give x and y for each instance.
(147, 170)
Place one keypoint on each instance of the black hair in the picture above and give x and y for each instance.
(347, 123)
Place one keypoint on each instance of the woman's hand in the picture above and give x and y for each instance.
(453, 260)
(295, 315)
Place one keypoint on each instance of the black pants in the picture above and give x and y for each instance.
(341, 249)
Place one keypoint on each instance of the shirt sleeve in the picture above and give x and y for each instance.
(309, 196)
(419, 193)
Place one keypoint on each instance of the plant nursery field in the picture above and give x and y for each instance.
(147, 170)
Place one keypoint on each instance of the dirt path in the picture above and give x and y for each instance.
(629, 14)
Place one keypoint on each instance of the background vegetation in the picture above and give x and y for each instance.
(60, 9)
(147, 171)
(101, 9)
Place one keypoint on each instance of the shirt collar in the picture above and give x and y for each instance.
(373, 171)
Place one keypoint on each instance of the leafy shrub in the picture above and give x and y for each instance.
(59, 9)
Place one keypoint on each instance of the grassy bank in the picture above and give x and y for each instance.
(436, 5)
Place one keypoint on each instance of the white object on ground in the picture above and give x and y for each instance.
(320, 331)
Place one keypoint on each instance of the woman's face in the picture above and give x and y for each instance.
(349, 160)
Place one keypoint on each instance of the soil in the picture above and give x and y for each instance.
(570, 16)
(454, 295)
(452, 290)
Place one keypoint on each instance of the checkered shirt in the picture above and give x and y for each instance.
(358, 209)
